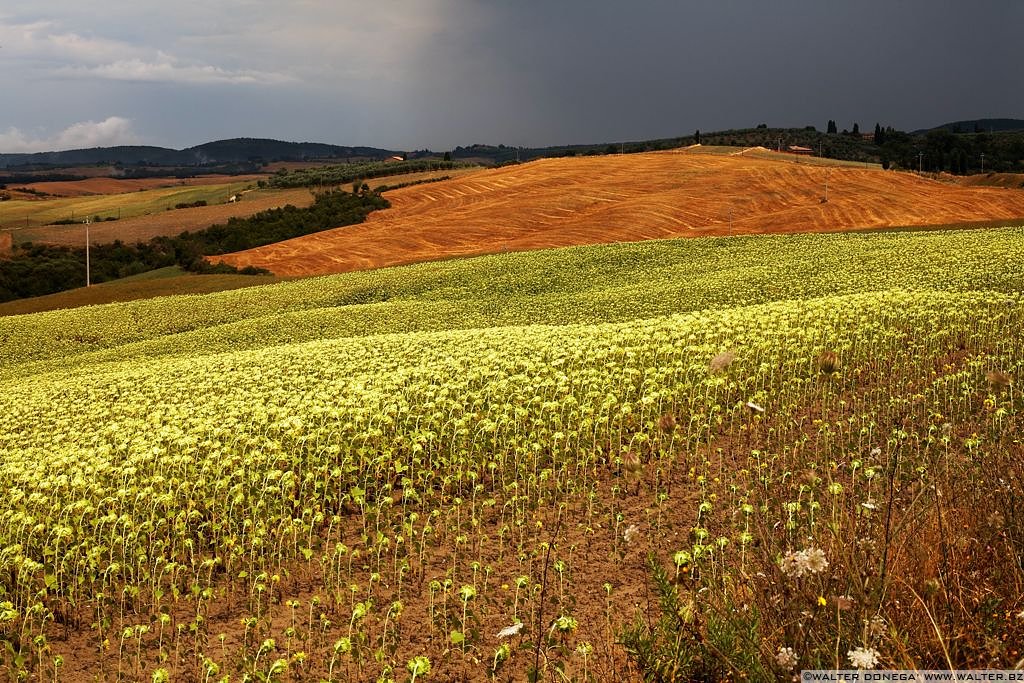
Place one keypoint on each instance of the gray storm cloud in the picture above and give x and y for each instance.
(437, 73)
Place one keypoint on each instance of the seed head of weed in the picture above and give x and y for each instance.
(828, 362)
(721, 362)
(999, 380)
(631, 464)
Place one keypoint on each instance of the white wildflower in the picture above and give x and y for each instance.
(631, 532)
(815, 560)
(786, 658)
(808, 561)
(510, 631)
(868, 505)
(754, 407)
(876, 626)
(863, 657)
(792, 564)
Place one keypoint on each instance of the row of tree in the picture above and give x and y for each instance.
(346, 173)
(939, 150)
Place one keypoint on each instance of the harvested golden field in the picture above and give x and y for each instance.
(590, 200)
(1008, 180)
(109, 185)
(175, 222)
(421, 177)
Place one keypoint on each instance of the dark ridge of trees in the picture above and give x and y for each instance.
(346, 173)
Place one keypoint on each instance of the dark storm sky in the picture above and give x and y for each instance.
(409, 74)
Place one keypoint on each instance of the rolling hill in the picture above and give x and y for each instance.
(236, 150)
(589, 200)
(982, 125)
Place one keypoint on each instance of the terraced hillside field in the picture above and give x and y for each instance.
(588, 200)
(707, 459)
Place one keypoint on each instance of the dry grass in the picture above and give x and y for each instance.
(587, 200)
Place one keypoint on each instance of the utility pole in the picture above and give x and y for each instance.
(920, 163)
(780, 144)
(982, 162)
(88, 282)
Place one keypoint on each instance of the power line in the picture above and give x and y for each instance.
(88, 282)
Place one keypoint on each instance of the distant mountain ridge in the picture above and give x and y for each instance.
(246, 155)
(979, 125)
(233, 151)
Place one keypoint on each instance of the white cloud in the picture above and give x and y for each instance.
(114, 130)
(72, 54)
(169, 70)
(44, 41)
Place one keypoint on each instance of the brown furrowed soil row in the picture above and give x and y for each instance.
(591, 200)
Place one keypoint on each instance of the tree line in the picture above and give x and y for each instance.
(343, 174)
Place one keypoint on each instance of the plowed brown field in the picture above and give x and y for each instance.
(588, 200)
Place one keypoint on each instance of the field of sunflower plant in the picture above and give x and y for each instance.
(709, 459)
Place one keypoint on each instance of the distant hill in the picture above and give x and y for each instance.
(246, 155)
(977, 126)
(998, 146)
(235, 151)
